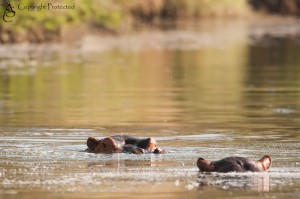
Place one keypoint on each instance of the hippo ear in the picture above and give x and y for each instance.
(265, 162)
(92, 143)
(204, 165)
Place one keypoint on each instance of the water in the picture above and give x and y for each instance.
(199, 93)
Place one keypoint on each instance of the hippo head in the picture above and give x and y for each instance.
(149, 144)
(106, 145)
(236, 164)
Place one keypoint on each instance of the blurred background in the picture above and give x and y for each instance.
(170, 64)
(116, 16)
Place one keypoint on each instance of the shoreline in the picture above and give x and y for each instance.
(260, 25)
(209, 35)
(256, 27)
(38, 25)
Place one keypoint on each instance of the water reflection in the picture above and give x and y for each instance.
(117, 161)
(157, 88)
(272, 84)
(234, 181)
(175, 90)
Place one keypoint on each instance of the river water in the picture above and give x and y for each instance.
(205, 92)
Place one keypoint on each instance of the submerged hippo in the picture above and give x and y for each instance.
(123, 144)
(237, 164)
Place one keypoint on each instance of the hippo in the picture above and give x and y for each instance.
(123, 144)
(234, 164)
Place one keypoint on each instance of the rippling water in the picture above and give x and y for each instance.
(219, 95)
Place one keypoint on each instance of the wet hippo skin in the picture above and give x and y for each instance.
(123, 144)
(234, 164)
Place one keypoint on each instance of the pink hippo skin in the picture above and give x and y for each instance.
(123, 144)
(234, 164)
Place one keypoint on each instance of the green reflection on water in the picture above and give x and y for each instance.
(234, 86)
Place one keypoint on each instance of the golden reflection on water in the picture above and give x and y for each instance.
(159, 88)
